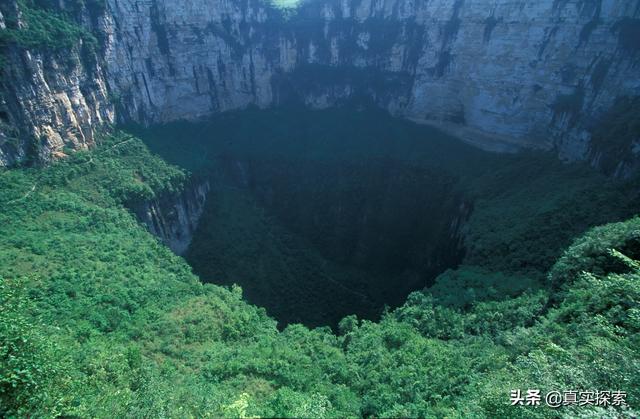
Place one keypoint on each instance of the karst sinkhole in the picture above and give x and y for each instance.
(322, 214)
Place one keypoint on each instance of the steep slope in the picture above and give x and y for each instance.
(53, 88)
(322, 214)
(529, 74)
(100, 320)
(503, 75)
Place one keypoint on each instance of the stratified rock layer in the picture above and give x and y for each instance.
(173, 218)
(50, 102)
(502, 74)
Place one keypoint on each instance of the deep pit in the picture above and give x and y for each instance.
(314, 241)
(318, 215)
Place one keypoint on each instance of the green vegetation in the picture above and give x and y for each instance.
(99, 319)
(42, 28)
(32, 375)
(303, 200)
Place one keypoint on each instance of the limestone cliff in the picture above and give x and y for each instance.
(51, 101)
(503, 74)
(500, 73)
(173, 218)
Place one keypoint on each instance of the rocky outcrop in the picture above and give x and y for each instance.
(174, 218)
(51, 102)
(503, 74)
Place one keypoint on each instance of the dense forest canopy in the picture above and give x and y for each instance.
(99, 319)
(382, 207)
(345, 264)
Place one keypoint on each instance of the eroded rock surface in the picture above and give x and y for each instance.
(501, 74)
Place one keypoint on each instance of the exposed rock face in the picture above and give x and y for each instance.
(527, 73)
(503, 74)
(50, 102)
(174, 218)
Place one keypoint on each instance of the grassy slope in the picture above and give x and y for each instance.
(103, 321)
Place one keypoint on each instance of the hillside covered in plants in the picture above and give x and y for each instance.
(99, 319)
(319, 209)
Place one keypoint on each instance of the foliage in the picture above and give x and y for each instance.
(309, 206)
(42, 28)
(32, 375)
(106, 322)
(477, 284)
(143, 335)
(528, 211)
(602, 250)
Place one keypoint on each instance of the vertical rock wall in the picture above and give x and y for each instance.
(502, 74)
(174, 218)
(51, 102)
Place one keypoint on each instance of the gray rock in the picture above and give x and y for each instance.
(173, 218)
(501, 74)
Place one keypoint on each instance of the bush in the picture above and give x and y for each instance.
(44, 29)
(592, 252)
(32, 371)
